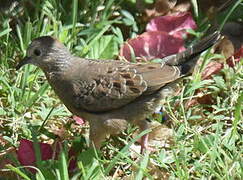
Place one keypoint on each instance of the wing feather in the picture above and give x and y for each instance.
(114, 84)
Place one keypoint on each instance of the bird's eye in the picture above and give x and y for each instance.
(37, 52)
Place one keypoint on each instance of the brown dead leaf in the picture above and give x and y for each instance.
(158, 8)
(157, 172)
(225, 47)
(206, 99)
(182, 6)
(164, 6)
(160, 137)
(202, 97)
(212, 68)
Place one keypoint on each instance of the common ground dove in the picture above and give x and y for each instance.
(111, 93)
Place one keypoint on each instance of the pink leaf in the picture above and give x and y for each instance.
(78, 120)
(151, 45)
(174, 24)
(26, 153)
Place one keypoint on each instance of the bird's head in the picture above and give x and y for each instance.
(45, 52)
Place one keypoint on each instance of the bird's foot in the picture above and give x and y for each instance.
(144, 144)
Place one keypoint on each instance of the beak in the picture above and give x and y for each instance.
(26, 60)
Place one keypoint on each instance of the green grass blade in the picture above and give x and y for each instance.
(238, 112)
(74, 17)
(18, 171)
(228, 14)
(143, 165)
(195, 7)
(63, 167)
(125, 149)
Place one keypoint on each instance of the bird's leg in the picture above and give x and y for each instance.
(96, 136)
(144, 143)
(144, 125)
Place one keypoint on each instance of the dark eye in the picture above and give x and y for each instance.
(37, 52)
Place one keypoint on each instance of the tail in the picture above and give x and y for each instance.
(187, 59)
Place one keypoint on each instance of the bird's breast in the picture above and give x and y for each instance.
(64, 90)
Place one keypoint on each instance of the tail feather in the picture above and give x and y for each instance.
(225, 5)
(194, 51)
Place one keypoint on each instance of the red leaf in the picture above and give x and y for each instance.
(151, 45)
(174, 24)
(26, 153)
(235, 58)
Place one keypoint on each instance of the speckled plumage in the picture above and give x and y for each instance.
(110, 93)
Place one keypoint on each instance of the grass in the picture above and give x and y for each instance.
(207, 141)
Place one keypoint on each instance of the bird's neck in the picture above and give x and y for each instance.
(57, 67)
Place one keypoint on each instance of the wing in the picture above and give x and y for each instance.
(101, 85)
(107, 85)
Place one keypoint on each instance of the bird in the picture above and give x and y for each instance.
(109, 94)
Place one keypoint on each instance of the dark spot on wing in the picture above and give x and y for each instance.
(126, 75)
(135, 90)
(117, 84)
(129, 83)
(151, 67)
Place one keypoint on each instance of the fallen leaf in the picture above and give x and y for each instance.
(175, 24)
(72, 154)
(212, 68)
(235, 58)
(164, 6)
(151, 45)
(182, 6)
(26, 153)
(78, 120)
(160, 136)
(224, 47)
(191, 103)
(158, 8)
(164, 37)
